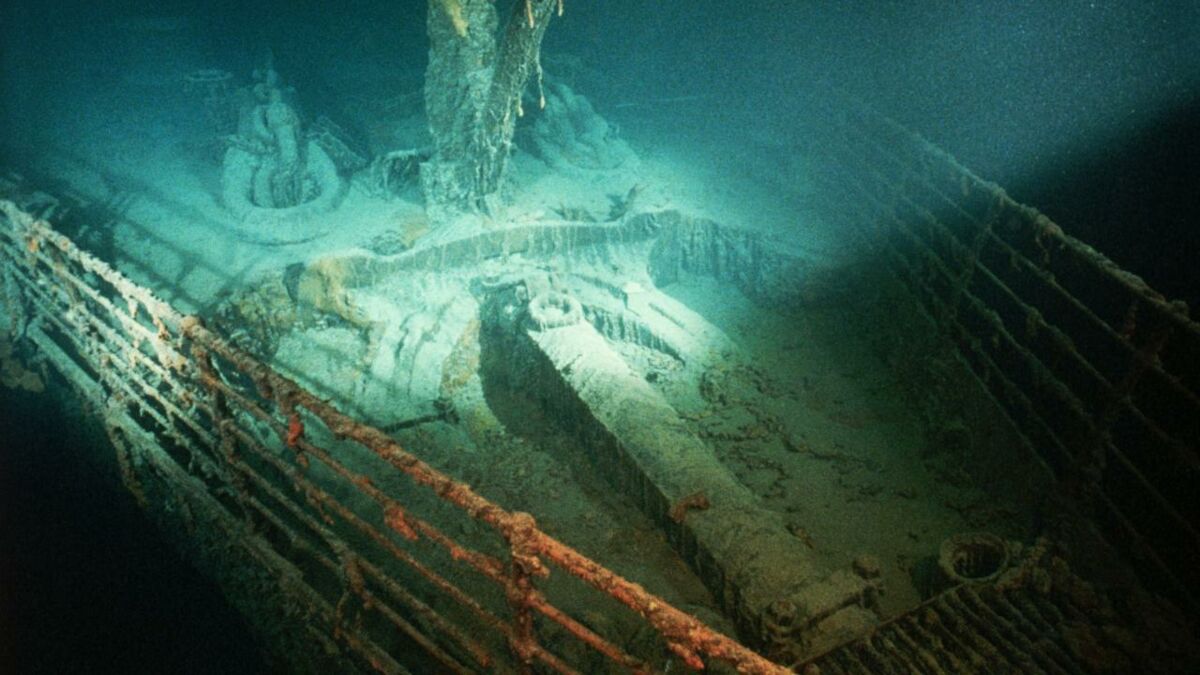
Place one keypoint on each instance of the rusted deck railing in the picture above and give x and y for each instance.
(1100, 373)
(251, 437)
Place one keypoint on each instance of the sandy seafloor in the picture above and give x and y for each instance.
(851, 466)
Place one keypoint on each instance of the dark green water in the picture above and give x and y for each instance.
(87, 585)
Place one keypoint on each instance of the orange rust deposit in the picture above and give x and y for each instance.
(395, 519)
(295, 429)
(697, 501)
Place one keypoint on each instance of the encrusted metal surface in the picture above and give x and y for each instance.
(1099, 374)
(969, 629)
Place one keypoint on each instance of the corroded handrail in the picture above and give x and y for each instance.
(173, 373)
(1097, 370)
